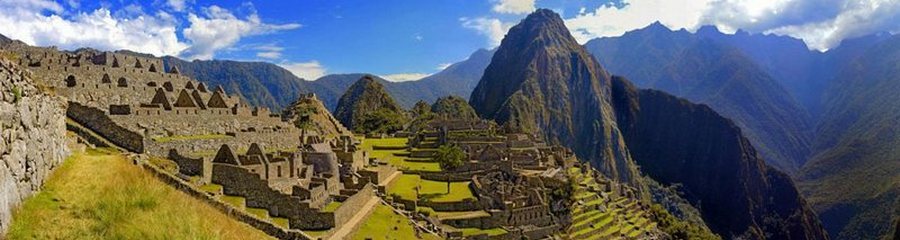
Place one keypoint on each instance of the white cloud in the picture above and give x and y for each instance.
(856, 19)
(822, 24)
(177, 5)
(307, 70)
(22, 20)
(221, 29)
(608, 20)
(493, 28)
(443, 66)
(47, 23)
(270, 51)
(513, 6)
(403, 77)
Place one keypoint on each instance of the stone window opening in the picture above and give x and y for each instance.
(70, 81)
(122, 82)
(106, 79)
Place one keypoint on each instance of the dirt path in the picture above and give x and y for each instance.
(348, 227)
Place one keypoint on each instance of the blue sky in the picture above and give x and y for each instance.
(401, 40)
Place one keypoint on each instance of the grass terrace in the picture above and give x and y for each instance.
(384, 223)
(493, 232)
(101, 195)
(393, 151)
(332, 206)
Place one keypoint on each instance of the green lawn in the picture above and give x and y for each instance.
(405, 187)
(385, 224)
(101, 195)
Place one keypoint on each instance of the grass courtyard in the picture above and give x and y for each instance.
(101, 195)
(387, 151)
(386, 224)
(405, 187)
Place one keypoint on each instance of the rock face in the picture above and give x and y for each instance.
(675, 141)
(365, 97)
(32, 138)
(541, 81)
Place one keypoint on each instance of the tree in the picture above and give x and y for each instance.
(450, 156)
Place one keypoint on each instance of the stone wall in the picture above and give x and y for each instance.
(99, 122)
(237, 181)
(32, 138)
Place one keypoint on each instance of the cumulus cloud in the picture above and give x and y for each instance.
(856, 19)
(219, 28)
(822, 24)
(403, 77)
(306, 70)
(154, 34)
(610, 20)
(47, 23)
(492, 28)
(513, 6)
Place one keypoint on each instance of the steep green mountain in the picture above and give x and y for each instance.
(366, 107)
(453, 107)
(739, 196)
(854, 179)
(709, 71)
(260, 83)
(542, 81)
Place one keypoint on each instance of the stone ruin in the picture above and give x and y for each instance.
(141, 105)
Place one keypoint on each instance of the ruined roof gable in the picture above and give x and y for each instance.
(184, 100)
(217, 101)
(225, 155)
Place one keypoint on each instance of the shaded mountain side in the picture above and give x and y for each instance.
(542, 81)
(678, 142)
(365, 106)
(259, 83)
(786, 59)
(719, 75)
(854, 180)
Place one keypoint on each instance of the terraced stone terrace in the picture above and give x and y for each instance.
(598, 215)
(395, 151)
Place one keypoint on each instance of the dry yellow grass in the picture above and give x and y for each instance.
(101, 195)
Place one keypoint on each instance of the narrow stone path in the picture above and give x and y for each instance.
(390, 178)
(350, 225)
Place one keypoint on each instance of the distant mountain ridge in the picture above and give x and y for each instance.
(720, 75)
(269, 85)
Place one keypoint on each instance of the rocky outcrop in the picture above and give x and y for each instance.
(542, 81)
(32, 138)
(308, 112)
(675, 141)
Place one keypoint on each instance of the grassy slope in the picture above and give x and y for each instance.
(97, 195)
